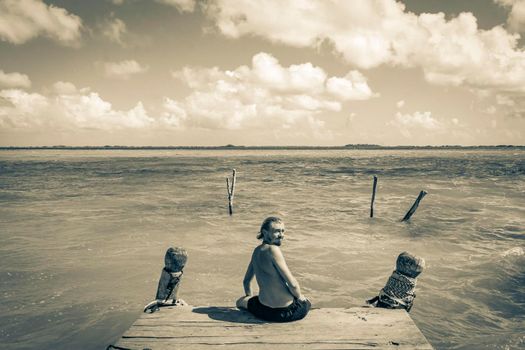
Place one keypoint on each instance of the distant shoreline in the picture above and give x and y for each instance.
(234, 147)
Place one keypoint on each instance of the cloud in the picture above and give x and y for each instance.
(368, 34)
(68, 108)
(22, 20)
(175, 114)
(505, 100)
(124, 69)
(400, 104)
(299, 78)
(418, 119)
(114, 29)
(13, 80)
(490, 110)
(460, 54)
(504, 104)
(180, 5)
(266, 94)
(511, 105)
(64, 88)
(18, 107)
(351, 87)
(506, 2)
(363, 33)
(419, 123)
(516, 19)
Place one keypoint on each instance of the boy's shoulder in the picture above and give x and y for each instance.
(268, 249)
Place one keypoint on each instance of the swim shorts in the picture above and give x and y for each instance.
(293, 312)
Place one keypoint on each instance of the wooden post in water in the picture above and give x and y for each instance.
(231, 191)
(373, 197)
(412, 210)
(169, 282)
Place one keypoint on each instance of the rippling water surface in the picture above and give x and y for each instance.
(83, 234)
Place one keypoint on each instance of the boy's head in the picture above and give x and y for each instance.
(272, 230)
(409, 264)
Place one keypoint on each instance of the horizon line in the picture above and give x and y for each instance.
(231, 146)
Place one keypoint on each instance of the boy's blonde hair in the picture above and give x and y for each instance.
(267, 224)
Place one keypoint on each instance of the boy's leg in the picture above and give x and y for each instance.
(297, 311)
(242, 302)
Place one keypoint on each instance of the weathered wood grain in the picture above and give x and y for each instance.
(230, 328)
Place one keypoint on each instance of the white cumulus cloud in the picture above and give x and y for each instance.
(67, 108)
(371, 33)
(418, 119)
(64, 88)
(516, 19)
(302, 77)
(19, 109)
(22, 20)
(124, 69)
(351, 87)
(266, 93)
(15, 79)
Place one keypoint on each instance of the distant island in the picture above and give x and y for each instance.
(237, 147)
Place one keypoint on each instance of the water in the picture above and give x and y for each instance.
(83, 235)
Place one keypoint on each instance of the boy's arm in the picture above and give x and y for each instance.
(248, 279)
(286, 274)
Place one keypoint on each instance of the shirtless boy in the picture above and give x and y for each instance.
(280, 298)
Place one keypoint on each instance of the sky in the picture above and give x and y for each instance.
(259, 73)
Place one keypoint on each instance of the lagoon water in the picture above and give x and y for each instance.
(83, 235)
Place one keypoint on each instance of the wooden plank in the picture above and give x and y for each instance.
(230, 328)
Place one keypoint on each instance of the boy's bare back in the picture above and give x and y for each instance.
(273, 290)
(277, 286)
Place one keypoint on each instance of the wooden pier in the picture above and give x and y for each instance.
(213, 327)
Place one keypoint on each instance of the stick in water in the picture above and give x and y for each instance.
(231, 192)
(373, 197)
(414, 206)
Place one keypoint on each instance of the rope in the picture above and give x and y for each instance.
(172, 283)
